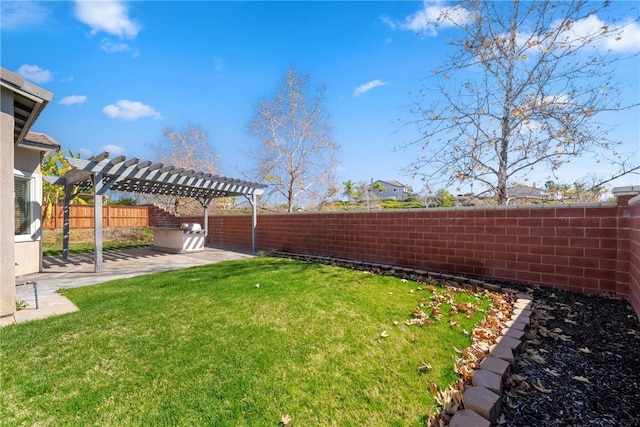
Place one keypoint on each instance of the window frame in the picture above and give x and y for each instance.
(35, 188)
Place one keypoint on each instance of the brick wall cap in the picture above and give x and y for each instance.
(630, 190)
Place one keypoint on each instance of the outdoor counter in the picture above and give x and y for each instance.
(178, 240)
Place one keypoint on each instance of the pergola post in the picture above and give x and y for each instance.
(253, 201)
(97, 220)
(68, 193)
(205, 207)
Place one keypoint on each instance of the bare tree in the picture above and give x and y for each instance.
(189, 149)
(524, 89)
(297, 155)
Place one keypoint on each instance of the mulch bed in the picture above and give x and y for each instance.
(580, 364)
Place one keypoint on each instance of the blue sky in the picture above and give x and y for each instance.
(121, 72)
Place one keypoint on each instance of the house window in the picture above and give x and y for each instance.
(24, 219)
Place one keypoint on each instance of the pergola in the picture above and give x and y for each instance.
(100, 174)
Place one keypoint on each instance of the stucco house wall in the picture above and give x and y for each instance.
(7, 279)
(21, 102)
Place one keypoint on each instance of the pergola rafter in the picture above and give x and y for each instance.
(100, 174)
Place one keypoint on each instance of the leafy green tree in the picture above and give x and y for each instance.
(349, 190)
(377, 186)
(445, 199)
(55, 164)
(124, 201)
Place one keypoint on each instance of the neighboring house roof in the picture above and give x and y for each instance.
(527, 192)
(29, 101)
(40, 141)
(393, 183)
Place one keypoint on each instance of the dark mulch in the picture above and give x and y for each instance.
(584, 373)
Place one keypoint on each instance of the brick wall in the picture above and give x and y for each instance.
(159, 217)
(634, 254)
(591, 248)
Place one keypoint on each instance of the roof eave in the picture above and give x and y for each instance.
(40, 142)
(21, 87)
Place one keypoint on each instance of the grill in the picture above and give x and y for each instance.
(191, 226)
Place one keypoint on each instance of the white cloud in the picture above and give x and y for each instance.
(390, 22)
(34, 74)
(118, 47)
(114, 150)
(590, 32)
(112, 47)
(431, 17)
(19, 14)
(624, 37)
(109, 16)
(73, 99)
(130, 110)
(368, 86)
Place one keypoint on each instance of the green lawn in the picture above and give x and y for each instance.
(239, 343)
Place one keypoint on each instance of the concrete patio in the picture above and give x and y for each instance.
(58, 273)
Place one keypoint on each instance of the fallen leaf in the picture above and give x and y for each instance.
(573, 322)
(539, 360)
(433, 387)
(581, 379)
(285, 420)
(384, 334)
(257, 285)
(552, 372)
(403, 280)
(424, 367)
(395, 323)
(541, 388)
(585, 350)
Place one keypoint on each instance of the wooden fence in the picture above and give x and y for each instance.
(82, 216)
